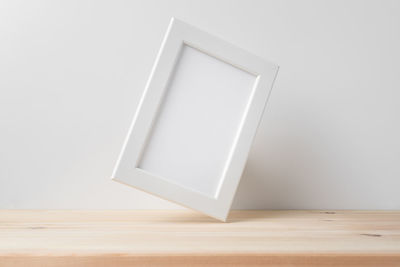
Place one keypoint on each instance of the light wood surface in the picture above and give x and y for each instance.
(186, 238)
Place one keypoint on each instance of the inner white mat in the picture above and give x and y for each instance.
(198, 122)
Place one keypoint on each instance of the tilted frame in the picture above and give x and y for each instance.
(127, 171)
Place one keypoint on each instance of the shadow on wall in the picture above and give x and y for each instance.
(281, 173)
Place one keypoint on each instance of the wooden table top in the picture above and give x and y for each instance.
(186, 238)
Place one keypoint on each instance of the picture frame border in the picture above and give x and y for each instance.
(126, 170)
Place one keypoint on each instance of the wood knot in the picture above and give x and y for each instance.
(373, 235)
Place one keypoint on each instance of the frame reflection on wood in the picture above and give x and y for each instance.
(195, 123)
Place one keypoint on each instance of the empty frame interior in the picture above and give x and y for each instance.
(198, 122)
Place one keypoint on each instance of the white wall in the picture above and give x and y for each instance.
(72, 72)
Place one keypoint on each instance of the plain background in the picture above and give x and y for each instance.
(72, 73)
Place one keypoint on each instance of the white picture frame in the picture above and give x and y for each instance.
(194, 126)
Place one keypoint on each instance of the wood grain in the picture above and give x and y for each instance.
(185, 238)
